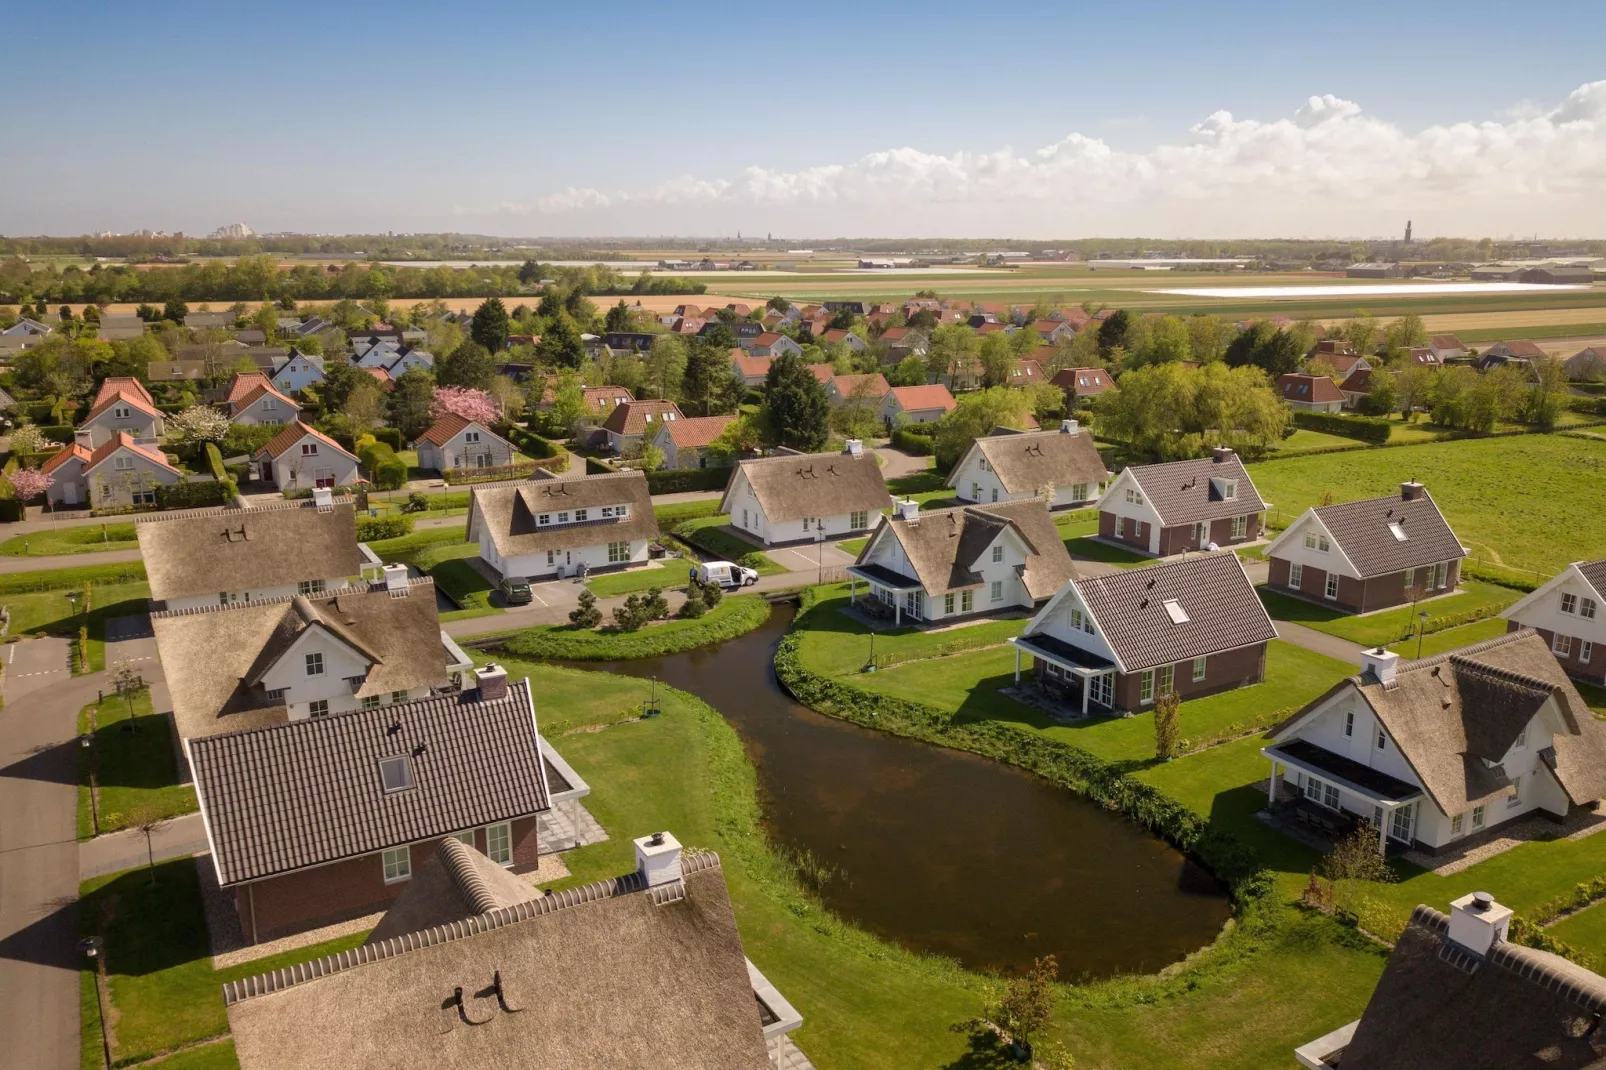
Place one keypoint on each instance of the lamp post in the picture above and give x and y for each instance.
(91, 946)
(1421, 623)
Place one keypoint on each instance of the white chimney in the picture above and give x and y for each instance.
(1068, 426)
(908, 509)
(854, 448)
(396, 578)
(658, 858)
(492, 680)
(323, 497)
(1477, 922)
(1380, 663)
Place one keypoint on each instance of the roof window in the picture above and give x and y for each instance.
(1177, 613)
(396, 774)
(1397, 529)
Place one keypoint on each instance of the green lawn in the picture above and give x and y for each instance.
(463, 583)
(1093, 550)
(853, 546)
(1075, 523)
(671, 577)
(709, 535)
(77, 539)
(680, 512)
(839, 645)
(735, 615)
(51, 613)
(1392, 627)
(135, 768)
(424, 548)
(1304, 440)
(1529, 501)
(1585, 930)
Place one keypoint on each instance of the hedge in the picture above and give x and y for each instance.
(370, 528)
(1365, 428)
(387, 471)
(390, 436)
(214, 461)
(62, 433)
(910, 442)
(70, 579)
(732, 617)
(11, 509)
(680, 480)
(195, 495)
(531, 443)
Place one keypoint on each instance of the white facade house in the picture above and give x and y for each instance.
(797, 497)
(453, 443)
(122, 471)
(1445, 749)
(300, 457)
(564, 527)
(264, 405)
(297, 372)
(123, 405)
(1008, 466)
(395, 359)
(1569, 613)
(916, 404)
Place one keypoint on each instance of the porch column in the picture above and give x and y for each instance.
(897, 611)
(1087, 685)
(574, 822)
(1271, 787)
(1383, 833)
(1017, 665)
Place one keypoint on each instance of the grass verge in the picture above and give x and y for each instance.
(732, 617)
(77, 539)
(709, 535)
(135, 768)
(671, 577)
(1476, 602)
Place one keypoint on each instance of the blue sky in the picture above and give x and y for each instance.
(661, 118)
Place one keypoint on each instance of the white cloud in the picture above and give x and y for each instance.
(1329, 168)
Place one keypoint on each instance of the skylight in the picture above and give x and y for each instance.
(1178, 614)
(396, 774)
(1397, 529)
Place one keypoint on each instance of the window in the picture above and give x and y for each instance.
(1585, 650)
(1175, 611)
(1349, 723)
(123, 464)
(309, 449)
(318, 708)
(1569, 603)
(144, 497)
(1146, 686)
(471, 436)
(544, 518)
(371, 702)
(995, 494)
(465, 837)
(1516, 793)
(315, 664)
(398, 696)
(1310, 540)
(1101, 689)
(1586, 609)
(1199, 665)
(1079, 492)
(1397, 529)
(967, 601)
(1410, 578)
(1455, 824)
(1200, 533)
(310, 587)
(1477, 817)
(1240, 526)
(396, 774)
(1332, 585)
(579, 515)
(1167, 679)
(398, 864)
(997, 591)
(1330, 796)
(1400, 823)
(1229, 489)
(269, 403)
(499, 843)
(1076, 619)
(1296, 575)
(618, 552)
(121, 412)
(1521, 740)
(1313, 789)
(563, 518)
(947, 603)
(1131, 495)
(975, 492)
(805, 523)
(998, 554)
(1561, 645)
(1382, 739)
(551, 557)
(859, 520)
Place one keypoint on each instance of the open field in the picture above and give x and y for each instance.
(1551, 492)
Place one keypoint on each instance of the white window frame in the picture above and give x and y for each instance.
(996, 591)
(998, 554)
(397, 864)
(314, 663)
(1586, 608)
(1569, 603)
(1515, 799)
(309, 587)
(1382, 739)
(317, 707)
(1349, 724)
(1330, 590)
(1441, 575)
(403, 763)
(1101, 689)
(1410, 578)
(948, 605)
(859, 520)
(967, 601)
(1240, 527)
(1167, 680)
(1561, 645)
(1296, 575)
(1199, 668)
(1330, 796)
(618, 552)
(499, 841)
(1146, 687)
(309, 449)
(1402, 823)
(1457, 824)
(1586, 650)
(372, 702)
(123, 463)
(1479, 816)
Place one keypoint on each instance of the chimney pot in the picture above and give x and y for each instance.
(908, 509)
(1221, 454)
(396, 577)
(658, 858)
(1478, 923)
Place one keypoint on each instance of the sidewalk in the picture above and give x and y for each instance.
(117, 851)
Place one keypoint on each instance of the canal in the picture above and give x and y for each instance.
(943, 851)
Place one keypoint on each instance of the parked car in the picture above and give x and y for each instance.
(725, 573)
(516, 591)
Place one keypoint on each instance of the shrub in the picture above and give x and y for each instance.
(214, 461)
(385, 469)
(692, 608)
(631, 616)
(655, 605)
(371, 528)
(417, 502)
(1364, 428)
(1167, 725)
(196, 495)
(586, 614)
(912, 442)
(680, 480)
(531, 443)
(389, 436)
(712, 594)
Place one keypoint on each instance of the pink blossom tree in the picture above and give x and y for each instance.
(465, 401)
(29, 483)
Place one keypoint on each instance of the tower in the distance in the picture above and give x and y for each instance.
(1407, 232)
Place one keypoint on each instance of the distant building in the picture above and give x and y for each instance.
(1373, 270)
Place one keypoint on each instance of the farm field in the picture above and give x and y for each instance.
(1550, 490)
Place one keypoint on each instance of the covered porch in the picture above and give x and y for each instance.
(1335, 793)
(1074, 676)
(891, 595)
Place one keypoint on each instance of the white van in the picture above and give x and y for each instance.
(725, 573)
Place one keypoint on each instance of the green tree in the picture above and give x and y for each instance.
(1383, 398)
(710, 385)
(585, 614)
(997, 359)
(470, 364)
(797, 409)
(489, 326)
(1360, 332)
(1547, 394)
(1167, 726)
(1413, 389)
(666, 366)
(175, 310)
(1113, 331)
(975, 415)
(409, 403)
(560, 345)
(910, 371)
(740, 437)
(1404, 333)
(1208, 337)
(620, 318)
(1273, 350)
(339, 381)
(568, 402)
(1169, 340)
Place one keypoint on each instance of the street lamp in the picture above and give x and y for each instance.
(72, 600)
(1421, 624)
(91, 947)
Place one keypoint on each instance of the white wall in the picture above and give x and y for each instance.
(1114, 502)
(1545, 612)
(1057, 624)
(1292, 548)
(974, 483)
(108, 486)
(250, 594)
(137, 423)
(290, 671)
(291, 471)
(266, 410)
(297, 375)
(568, 561)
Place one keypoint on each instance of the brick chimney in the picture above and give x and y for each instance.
(1478, 923)
(658, 858)
(1411, 490)
(492, 679)
(1222, 454)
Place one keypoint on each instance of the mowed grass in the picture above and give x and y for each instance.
(671, 576)
(78, 539)
(1395, 626)
(1528, 501)
(1585, 930)
(1303, 441)
(135, 770)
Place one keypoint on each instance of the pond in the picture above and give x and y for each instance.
(943, 851)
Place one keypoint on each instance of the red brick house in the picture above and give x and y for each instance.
(1310, 393)
(1569, 612)
(1115, 643)
(1165, 509)
(1369, 554)
(325, 819)
(1082, 382)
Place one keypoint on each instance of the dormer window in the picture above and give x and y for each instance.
(1229, 489)
(1569, 603)
(543, 519)
(579, 515)
(396, 774)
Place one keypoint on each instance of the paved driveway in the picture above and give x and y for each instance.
(805, 557)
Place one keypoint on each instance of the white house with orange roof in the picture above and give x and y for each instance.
(123, 471)
(453, 442)
(67, 469)
(773, 344)
(254, 400)
(301, 457)
(123, 404)
(682, 441)
(916, 404)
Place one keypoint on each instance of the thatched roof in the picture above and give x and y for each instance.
(944, 546)
(511, 513)
(792, 486)
(454, 883)
(1030, 460)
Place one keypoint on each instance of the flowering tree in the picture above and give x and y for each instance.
(30, 483)
(28, 439)
(200, 423)
(467, 402)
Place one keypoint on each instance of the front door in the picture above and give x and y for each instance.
(1400, 825)
(69, 493)
(914, 603)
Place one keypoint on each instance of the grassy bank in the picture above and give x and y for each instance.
(1475, 602)
(136, 772)
(732, 617)
(77, 539)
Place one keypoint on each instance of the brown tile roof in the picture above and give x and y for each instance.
(136, 399)
(895, 334)
(258, 548)
(68, 452)
(1223, 611)
(767, 338)
(600, 397)
(1343, 363)
(916, 398)
(384, 377)
(1025, 462)
(822, 372)
(607, 976)
(294, 433)
(261, 391)
(449, 426)
(123, 440)
(509, 513)
(873, 385)
(1595, 573)
(1308, 388)
(1445, 341)
(1363, 531)
(211, 656)
(1084, 381)
(1028, 370)
(243, 384)
(1521, 347)
(696, 431)
(1359, 381)
(631, 418)
(834, 335)
(746, 365)
(126, 385)
(307, 793)
(791, 486)
(944, 545)
(1181, 493)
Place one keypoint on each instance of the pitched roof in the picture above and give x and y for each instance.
(386, 380)
(137, 399)
(746, 365)
(1181, 492)
(1364, 530)
(214, 657)
(609, 976)
(243, 384)
(794, 485)
(455, 882)
(1438, 1006)
(510, 514)
(122, 440)
(873, 385)
(1358, 381)
(1344, 363)
(67, 453)
(1029, 460)
(1451, 712)
(916, 398)
(631, 417)
(1595, 573)
(767, 338)
(272, 546)
(696, 431)
(127, 385)
(279, 444)
(1311, 388)
(1521, 347)
(823, 372)
(1084, 381)
(309, 792)
(1445, 341)
(1222, 610)
(451, 425)
(944, 545)
(260, 392)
